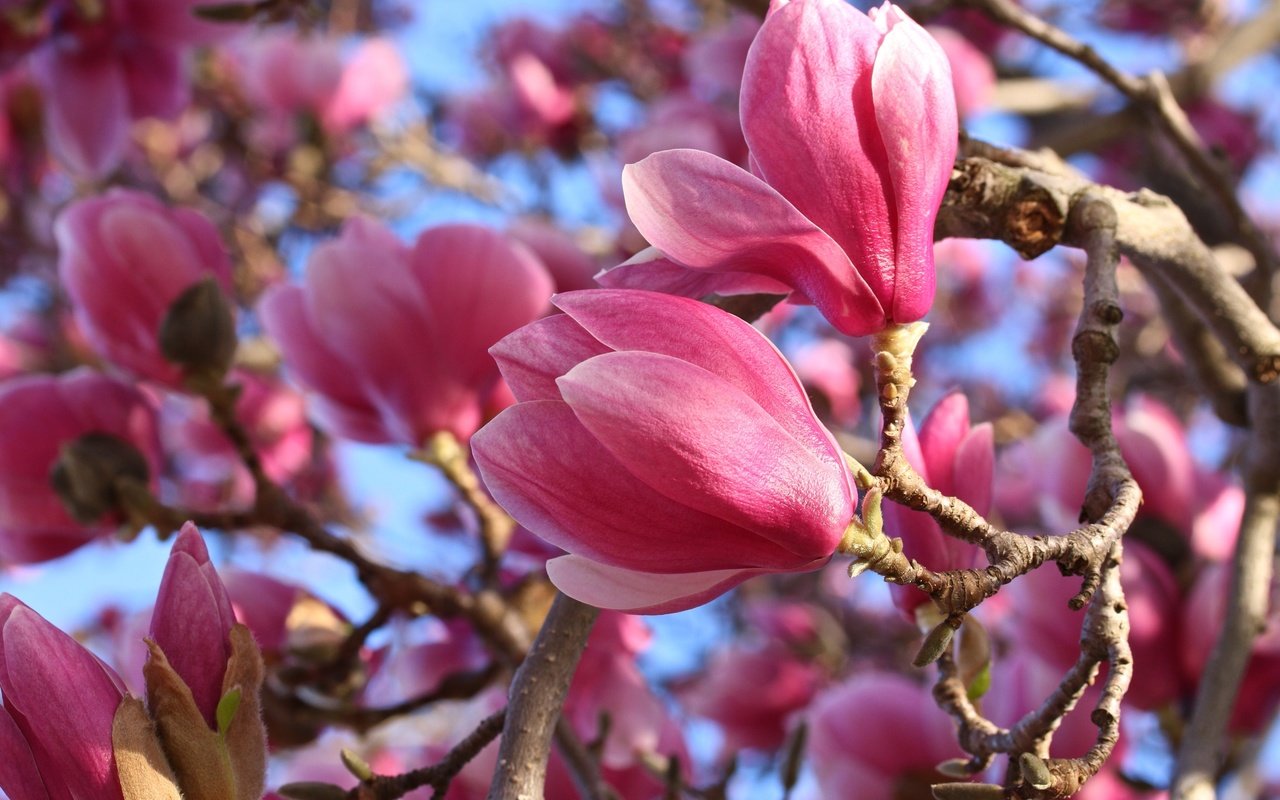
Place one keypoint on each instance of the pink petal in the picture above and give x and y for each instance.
(19, 775)
(341, 405)
(64, 700)
(940, 437)
(543, 467)
(649, 270)
(808, 116)
(155, 80)
(480, 286)
(718, 342)
(87, 108)
(915, 109)
(604, 586)
(706, 213)
(532, 357)
(975, 468)
(704, 443)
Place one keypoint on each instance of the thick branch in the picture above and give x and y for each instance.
(1251, 576)
(537, 695)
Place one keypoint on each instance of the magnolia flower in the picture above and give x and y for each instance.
(124, 257)
(40, 415)
(392, 340)
(666, 445)
(851, 121)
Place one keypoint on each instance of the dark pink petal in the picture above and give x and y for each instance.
(704, 443)
(543, 467)
(650, 271)
(714, 340)
(604, 586)
(155, 80)
(19, 775)
(809, 118)
(87, 108)
(915, 109)
(706, 213)
(64, 700)
(532, 357)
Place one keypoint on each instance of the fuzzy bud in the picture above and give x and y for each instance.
(85, 474)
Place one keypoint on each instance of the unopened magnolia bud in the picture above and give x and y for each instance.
(1034, 771)
(85, 474)
(356, 765)
(955, 768)
(968, 791)
(312, 790)
(199, 331)
(935, 644)
(973, 656)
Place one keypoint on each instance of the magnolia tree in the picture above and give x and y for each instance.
(678, 310)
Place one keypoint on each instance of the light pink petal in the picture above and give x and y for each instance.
(479, 286)
(341, 404)
(714, 340)
(808, 116)
(706, 213)
(543, 467)
(87, 109)
(707, 445)
(536, 89)
(915, 109)
(532, 357)
(375, 79)
(648, 270)
(604, 586)
(69, 730)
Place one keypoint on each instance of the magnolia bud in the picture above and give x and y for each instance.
(85, 474)
(199, 331)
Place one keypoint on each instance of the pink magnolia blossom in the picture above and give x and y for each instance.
(59, 705)
(751, 693)
(99, 73)
(38, 415)
(667, 445)
(373, 80)
(192, 620)
(392, 340)
(124, 257)
(958, 460)
(878, 736)
(852, 128)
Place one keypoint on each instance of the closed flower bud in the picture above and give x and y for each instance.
(85, 474)
(199, 331)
